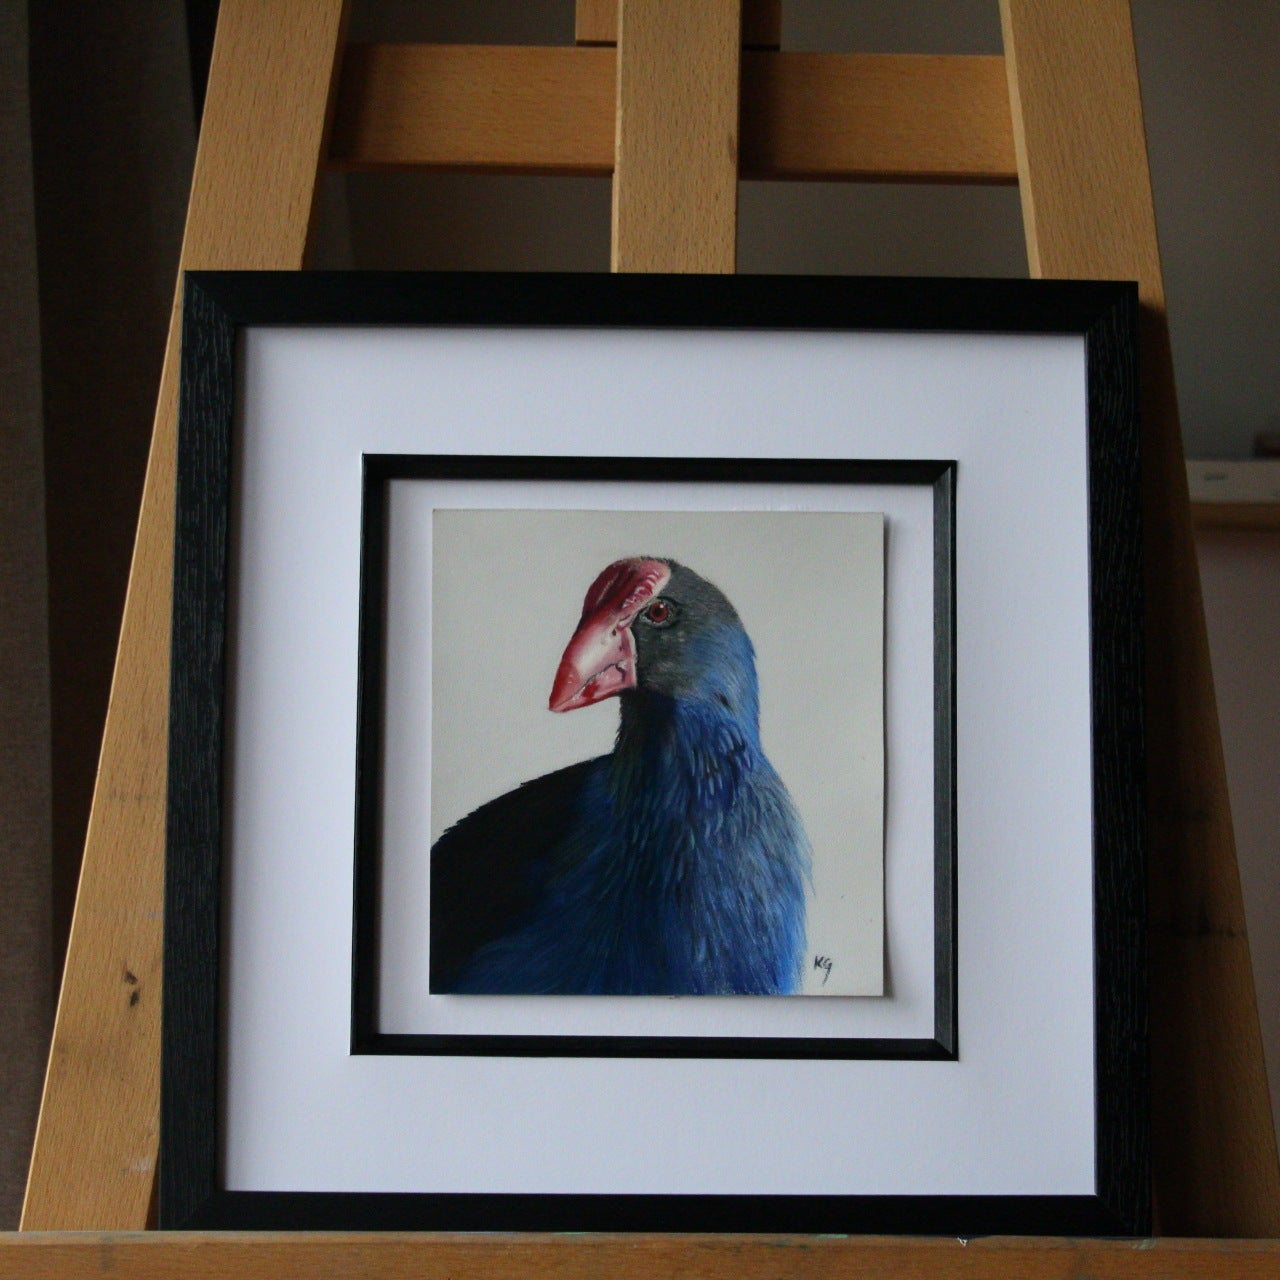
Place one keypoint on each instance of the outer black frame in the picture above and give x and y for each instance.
(381, 468)
(217, 304)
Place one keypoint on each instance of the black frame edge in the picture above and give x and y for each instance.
(946, 962)
(964, 1216)
(377, 471)
(369, 752)
(656, 301)
(189, 1061)
(1119, 764)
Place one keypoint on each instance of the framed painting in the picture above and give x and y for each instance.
(655, 753)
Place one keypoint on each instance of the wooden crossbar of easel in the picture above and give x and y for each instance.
(900, 117)
(1059, 113)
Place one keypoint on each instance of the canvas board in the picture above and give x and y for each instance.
(505, 594)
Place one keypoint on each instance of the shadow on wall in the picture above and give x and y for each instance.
(1239, 572)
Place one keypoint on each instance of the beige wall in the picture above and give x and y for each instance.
(1211, 89)
(1240, 574)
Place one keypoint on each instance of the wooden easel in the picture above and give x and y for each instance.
(676, 113)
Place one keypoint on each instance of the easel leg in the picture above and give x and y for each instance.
(675, 181)
(274, 69)
(1086, 195)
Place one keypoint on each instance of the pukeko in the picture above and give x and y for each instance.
(674, 865)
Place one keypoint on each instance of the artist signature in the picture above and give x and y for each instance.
(823, 963)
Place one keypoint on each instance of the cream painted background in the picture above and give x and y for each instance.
(507, 589)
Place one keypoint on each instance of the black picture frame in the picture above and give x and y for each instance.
(938, 476)
(218, 305)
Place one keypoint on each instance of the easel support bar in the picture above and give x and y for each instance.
(93, 1163)
(534, 109)
(239, 1255)
(1089, 214)
(675, 175)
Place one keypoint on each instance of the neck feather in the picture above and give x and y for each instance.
(689, 756)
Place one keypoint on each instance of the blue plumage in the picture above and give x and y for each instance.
(675, 865)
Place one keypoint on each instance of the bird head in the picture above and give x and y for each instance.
(655, 626)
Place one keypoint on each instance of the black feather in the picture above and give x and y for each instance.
(489, 867)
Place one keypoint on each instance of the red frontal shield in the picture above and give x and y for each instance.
(600, 658)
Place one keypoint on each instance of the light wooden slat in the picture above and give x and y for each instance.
(1088, 211)
(548, 110)
(904, 117)
(393, 1256)
(675, 178)
(596, 22)
(93, 1163)
(1236, 515)
(526, 109)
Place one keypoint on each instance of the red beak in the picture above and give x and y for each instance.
(600, 658)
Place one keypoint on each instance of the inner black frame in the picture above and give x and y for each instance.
(217, 305)
(379, 471)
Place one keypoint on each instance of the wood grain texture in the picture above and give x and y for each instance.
(396, 1256)
(675, 179)
(93, 1165)
(596, 22)
(898, 117)
(525, 109)
(1236, 515)
(1087, 206)
(518, 109)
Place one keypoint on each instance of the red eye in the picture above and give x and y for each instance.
(659, 611)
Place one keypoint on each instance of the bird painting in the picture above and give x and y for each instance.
(676, 864)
